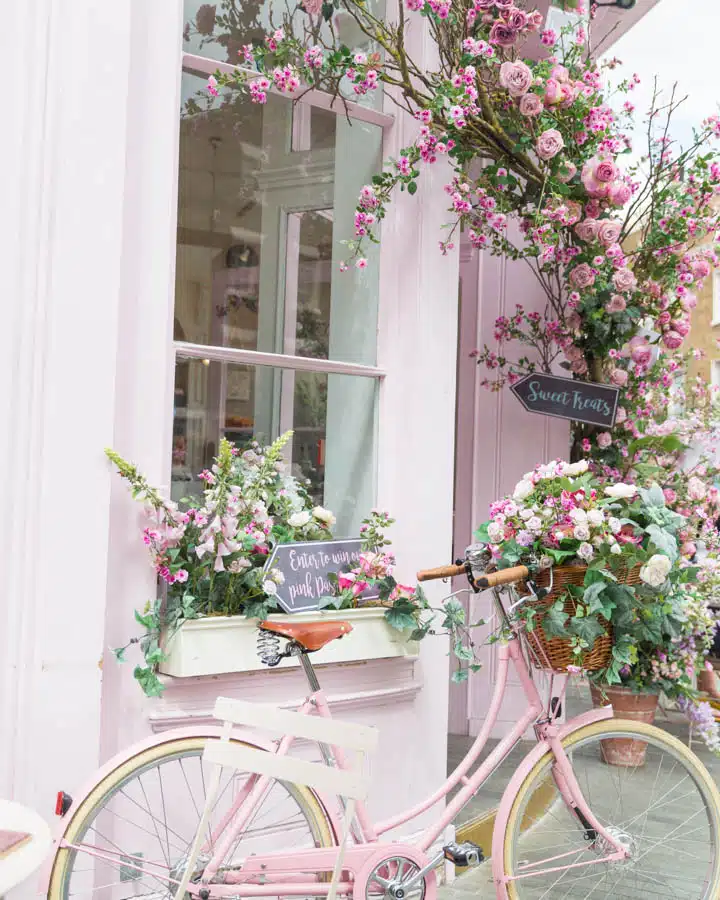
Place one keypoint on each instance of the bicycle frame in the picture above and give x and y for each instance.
(299, 873)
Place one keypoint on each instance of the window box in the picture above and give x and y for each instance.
(222, 644)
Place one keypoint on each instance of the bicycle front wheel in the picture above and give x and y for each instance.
(132, 834)
(664, 808)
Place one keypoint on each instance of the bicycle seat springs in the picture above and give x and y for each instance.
(268, 648)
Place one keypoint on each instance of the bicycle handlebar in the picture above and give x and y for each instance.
(494, 579)
(441, 572)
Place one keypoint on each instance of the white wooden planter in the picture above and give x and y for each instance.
(222, 644)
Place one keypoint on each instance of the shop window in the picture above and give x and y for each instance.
(270, 334)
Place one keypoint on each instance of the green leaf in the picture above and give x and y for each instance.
(481, 534)
(587, 628)
(554, 621)
(463, 652)
(119, 653)
(663, 541)
(459, 675)
(400, 619)
(148, 681)
(327, 11)
(454, 614)
(412, 187)
(419, 633)
(598, 600)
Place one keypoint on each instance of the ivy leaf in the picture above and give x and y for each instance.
(119, 653)
(154, 655)
(463, 652)
(454, 614)
(459, 675)
(399, 618)
(412, 187)
(664, 541)
(588, 629)
(554, 621)
(148, 681)
(419, 633)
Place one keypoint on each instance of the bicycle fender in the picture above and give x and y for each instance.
(521, 772)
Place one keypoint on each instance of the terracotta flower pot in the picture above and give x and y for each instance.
(626, 704)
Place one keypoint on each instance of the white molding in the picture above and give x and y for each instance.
(322, 100)
(278, 360)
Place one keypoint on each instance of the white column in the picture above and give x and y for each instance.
(64, 157)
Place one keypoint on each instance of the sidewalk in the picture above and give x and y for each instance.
(477, 883)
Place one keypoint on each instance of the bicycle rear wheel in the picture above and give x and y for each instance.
(134, 830)
(666, 811)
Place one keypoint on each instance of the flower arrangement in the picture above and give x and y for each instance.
(210, 555)
(563, 514)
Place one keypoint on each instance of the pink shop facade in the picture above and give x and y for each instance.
(174, 277)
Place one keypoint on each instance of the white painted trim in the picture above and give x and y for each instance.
(281, 721)
(344, 782)
(278, 360)
(201, 65)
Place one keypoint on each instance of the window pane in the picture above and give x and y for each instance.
(266, 198)
(333, 418)
(220, 30)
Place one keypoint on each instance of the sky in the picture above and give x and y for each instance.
(677, 47)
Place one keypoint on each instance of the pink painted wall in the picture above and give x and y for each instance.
(497, 441)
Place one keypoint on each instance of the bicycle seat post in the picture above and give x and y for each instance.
(308, 669)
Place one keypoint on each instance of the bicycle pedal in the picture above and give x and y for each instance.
(463, 855)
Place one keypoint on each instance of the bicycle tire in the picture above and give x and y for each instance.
(98, 799)
(518, 824)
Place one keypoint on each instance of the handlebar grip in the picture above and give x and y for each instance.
(504, 576)
(442, 572)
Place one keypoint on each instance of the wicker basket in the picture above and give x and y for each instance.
(555, 653)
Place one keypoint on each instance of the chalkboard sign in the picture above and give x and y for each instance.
(306, 567)
(581, 401)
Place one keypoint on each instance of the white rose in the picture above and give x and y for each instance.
(621, 490)
(655, 570)
(496, 532)
(616, 548)
(523, 489)
(535, 524)
(298, 519)
(577, 468)
(581, 533)
(270, 588)
(615, 524)
(586, 552)
(324, 515)
(526, 514)
(510, 508)
(579, 516)
(597, 541)
(547, 512)
(595, 517)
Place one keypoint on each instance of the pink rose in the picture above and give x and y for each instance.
(682, 326)
(530, 105)
(596, 175)
(640, 351)
(670, 495)
(609, 232)
(582, 276)
(624, 280)
(559, 73)
(587, 230)
(503, 35)
(605, 170)
(566, 171)
(619, 377)
(616, 304)
(688, 549)
(672, 340)
(553, 92)
(663, 318)
(516, 78)
(573, 321)
(701, 268)
(621, 415)
(574, 211)
(579, 367)
(516, 19)
(604, 440)
(535, 20)
(549, 144)
(619, 193)
(592, 209)
(688, 302)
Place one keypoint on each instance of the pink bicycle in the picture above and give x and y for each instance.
(569, 825)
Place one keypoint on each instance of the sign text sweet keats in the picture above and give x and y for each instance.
(306, 567)
(581, 401)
